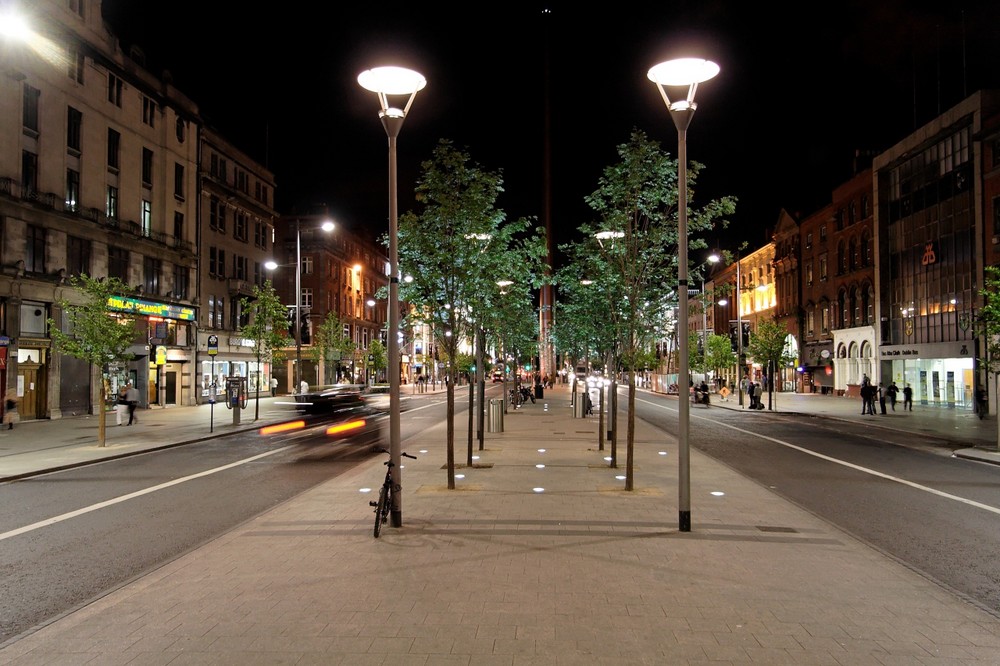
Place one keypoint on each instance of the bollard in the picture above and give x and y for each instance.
(496, 415)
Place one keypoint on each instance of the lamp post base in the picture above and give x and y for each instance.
(684, 521)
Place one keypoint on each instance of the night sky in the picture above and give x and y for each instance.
(799, 92)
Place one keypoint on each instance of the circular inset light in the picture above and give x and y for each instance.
(538, 490)
(620, 477)
(423, 450)
(540, 466)
(459, 476)
(541, 450)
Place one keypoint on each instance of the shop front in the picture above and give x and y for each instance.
(941, 374)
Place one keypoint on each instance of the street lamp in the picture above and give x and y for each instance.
(685, 72)
(327, 226)
(386, 81)
(712, 259)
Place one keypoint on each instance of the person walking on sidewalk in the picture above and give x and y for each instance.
(981, 402)
(121, 404)
(880, 392)
(907, 398)
(892, 392)
(866, 398)
(10, 408)
(274, 386)
(132, 397)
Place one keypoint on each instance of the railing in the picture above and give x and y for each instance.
(12, 188)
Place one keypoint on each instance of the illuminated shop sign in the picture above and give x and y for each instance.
(150, 308)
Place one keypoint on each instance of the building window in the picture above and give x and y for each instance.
(72, 189)
(216, 262)
(845, 310)
(822, 269)
(240, 265)
(30, 109)
(34, 256)
(810, 322)
(809, 240)
(180, 281)
(217, 214)
(181, 130)
(179, 181)
(148, 111)
(822, 233)
(869, 299)
(996, 216)
(29, 174)
(809, 273)
(260, 234)
(118, 263)
(866, 207)
(114, 149)
(111, 203)
(74, 63)
(824, 319)
(76, 6)
(77, 256)
(178, 225)
(147, 217)
(74, 125)
(307, 265)
(307, 297)
(240, 226)
(220, 312)
(856, 307)
(152, 270)
(147, 167)
(114, 90)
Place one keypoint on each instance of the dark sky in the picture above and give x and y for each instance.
(799, 91)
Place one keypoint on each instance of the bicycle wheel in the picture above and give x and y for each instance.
(381, 509)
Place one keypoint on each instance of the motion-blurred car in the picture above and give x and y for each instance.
(377, 396)
(341, 414)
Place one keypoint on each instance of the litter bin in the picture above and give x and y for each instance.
(496, 415)
(580, 405)
(539, 393)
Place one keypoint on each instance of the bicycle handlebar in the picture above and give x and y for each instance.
(402, 453)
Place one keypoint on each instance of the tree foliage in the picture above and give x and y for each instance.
(267, 327)
(331, 345)
(629, 256)
(768, 346)
(453, 251)
(95, 335)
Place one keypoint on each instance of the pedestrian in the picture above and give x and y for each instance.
(744, 387)
(121, 404)
(274, 386)
(981, 403)
(866, 398)
(758, 392)
(907, 398)
(891, 392)
(303, 387)
(132, 397)
(880, 392)
(10, 416)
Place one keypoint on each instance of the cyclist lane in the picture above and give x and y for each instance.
(537, 555)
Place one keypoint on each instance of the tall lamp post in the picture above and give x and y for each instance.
(386, 81)
(685, 72)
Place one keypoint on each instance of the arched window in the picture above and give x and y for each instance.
(866, 207)
(852, 261)
(856, 306)
(845, 309)
(841, 258)
(870, 305)
(867, 248)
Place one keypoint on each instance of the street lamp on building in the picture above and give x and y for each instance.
(327, 226)
(386, 82)
(685, 73)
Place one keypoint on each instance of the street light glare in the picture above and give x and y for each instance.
(13, 25)
(682, 72)
(270, 265)
(392, 80)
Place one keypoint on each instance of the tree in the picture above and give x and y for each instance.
(719, 353)
(332, 344)
(94, 334)
(768, 347)
(379, 357)
(630, 251)
(987, 324)
(455, 249)
(267, 328)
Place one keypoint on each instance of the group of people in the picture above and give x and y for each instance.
(128, 400)
(871, 393)
(754, 391)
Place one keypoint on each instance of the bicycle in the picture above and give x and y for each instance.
(385, 494)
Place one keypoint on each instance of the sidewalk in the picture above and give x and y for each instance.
(538, 556)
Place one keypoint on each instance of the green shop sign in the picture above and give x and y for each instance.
(150, 308)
